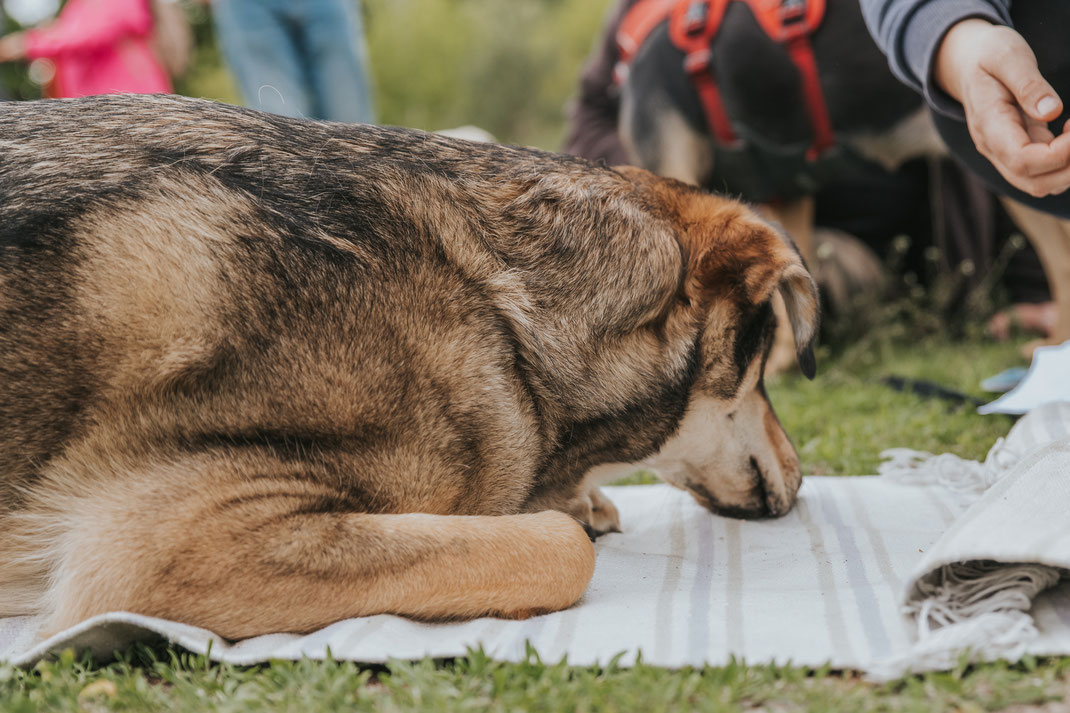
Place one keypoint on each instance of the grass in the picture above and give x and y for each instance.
(146, 679)
(839, 421)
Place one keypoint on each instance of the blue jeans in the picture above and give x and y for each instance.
(302, 58)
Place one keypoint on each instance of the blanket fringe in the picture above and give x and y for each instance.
(979, 610)
(976, 610)
(968, 477)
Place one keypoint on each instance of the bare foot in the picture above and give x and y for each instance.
(1038, 317)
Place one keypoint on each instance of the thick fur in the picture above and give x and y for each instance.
(261, 374)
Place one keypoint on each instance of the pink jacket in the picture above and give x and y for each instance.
(100, 47)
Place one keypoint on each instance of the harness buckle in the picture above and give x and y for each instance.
(696, 17)
(698, 61)
(792, 16)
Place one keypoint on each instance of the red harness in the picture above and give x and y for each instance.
(693, 25)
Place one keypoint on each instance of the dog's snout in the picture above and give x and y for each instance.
(742, 467)
(756, 504)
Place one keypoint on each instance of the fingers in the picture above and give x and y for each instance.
(1015, 66)
(1030, 159)
(1051, 183)
(1022, 149)
(1008, 103)
(1024, 146)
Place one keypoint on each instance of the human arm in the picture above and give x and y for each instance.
(592, 129)
(971, 64)
(910, 31)
(992, 72)
(12, 47)
(98, 23)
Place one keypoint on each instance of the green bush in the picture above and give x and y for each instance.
(508, 67)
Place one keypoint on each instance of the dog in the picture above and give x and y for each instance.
(263, 374)
(873, 117)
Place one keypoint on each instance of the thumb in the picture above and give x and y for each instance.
(1016, 68)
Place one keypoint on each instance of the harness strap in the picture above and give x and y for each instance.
(791, 22)
(802, 53)
(692, 27)
(784, 20)
(638, 22)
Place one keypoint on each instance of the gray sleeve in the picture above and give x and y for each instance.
(909, 32)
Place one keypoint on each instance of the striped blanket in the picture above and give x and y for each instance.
(824, 584)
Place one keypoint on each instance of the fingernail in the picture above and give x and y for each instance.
(1047, 105)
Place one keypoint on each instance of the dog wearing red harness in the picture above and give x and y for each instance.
(791, 86)
(763, 99)
(694, 25)
(767, 99)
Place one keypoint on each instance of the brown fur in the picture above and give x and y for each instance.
(262, 374)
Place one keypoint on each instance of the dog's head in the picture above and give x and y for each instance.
(730, 450)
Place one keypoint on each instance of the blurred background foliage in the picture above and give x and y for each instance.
(507, 66)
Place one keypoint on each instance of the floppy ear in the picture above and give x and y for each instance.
(800, 295)
(747, 260)
(729, 252)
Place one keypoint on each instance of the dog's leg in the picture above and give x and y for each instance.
(797, 218)
(254, 553)
(1050, 237)
(659, 139)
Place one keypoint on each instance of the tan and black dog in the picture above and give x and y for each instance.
(260, 374)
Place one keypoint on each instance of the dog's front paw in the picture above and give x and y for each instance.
(595, 512)
(604, 514)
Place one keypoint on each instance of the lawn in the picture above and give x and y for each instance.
(840, 422)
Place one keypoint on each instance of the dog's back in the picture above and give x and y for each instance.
(153, 247)
(185, 248)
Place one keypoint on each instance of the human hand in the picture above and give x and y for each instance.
(993, 72)
(12, 47)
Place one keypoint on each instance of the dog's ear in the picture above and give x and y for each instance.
(738, 256)
(801, 299)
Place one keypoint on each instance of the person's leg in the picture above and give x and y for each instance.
(336, 60)
(1051, 238)
(259, 48)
